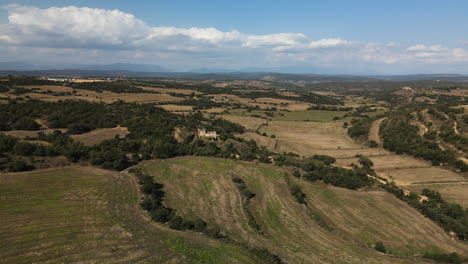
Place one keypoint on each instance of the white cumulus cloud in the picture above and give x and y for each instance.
(427, 48)
(328, 43)
(101, 34)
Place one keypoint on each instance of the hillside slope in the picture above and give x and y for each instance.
(88, 215)
(203, 188)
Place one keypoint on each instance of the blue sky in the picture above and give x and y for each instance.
(412, 36)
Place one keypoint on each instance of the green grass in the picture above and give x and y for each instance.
(200, 187)
(369, 217)
(84, 214)
(306, 116)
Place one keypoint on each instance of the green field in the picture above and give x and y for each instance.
(88, 215)
(307, 116)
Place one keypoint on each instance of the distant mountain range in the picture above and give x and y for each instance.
(24, 66)
(155, 71)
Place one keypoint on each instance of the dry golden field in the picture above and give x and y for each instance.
(92, 96)
(421, 175)
(177, 108)
(452, 192)
(318, 135)
(268, 142)
(250, 123)
(309, 138)
(98, 135)
(24, 133)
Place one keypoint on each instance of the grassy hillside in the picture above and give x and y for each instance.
(203, 188)
(375, 215)
(88, 215)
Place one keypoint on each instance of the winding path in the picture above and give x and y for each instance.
(374, 131)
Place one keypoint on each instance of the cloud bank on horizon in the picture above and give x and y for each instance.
(92, 36)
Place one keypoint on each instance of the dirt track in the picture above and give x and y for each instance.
(374, 131)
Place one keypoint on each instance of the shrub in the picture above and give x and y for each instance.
(25, 123)
(380, 247)
(75, 129)
(18, 165)
(161, 214)
(365, 162)
(199, 225)
(176, 222)
(444, 257)
(266, 255)
(214, 232)
(327, 160)
(296, 191)
(246, 193)
(373, 144)
(297, 174)
(238, 180)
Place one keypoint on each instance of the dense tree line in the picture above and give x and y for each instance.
(320, 168)
(4, 89)
(303, 97)
(448, 135)
(201, 103)
(21, 90)
(401, 137)
(451, 99)
(451, 216)
(360, 127)
(110, 87)
(329, 108)
(60, 115)
(151, 133)
(271, 93)
(152, 202)
(25, 80)
(246, 196)
(373, 85)
(465, 119)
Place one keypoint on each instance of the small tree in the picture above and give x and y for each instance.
(366, 162)
(373, 144)
(380, 247)
(200, 225)
(176, 222)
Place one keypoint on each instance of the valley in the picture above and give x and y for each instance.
(279, 175)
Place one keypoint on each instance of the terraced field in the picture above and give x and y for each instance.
(371, 215)
(200, 188)
(415, 174)
(88, 215)
(452, 191)
(250, 123)
(309, 138)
